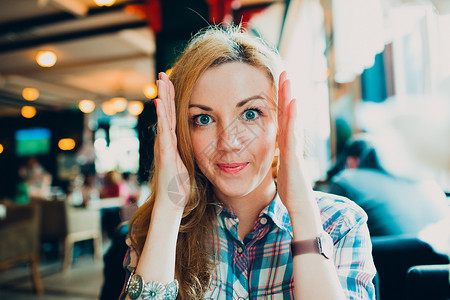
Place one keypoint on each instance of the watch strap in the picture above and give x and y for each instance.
(305, 246)
(322, 244)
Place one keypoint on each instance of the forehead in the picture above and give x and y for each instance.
(230, 83)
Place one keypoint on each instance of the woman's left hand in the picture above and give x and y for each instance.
(293, 184)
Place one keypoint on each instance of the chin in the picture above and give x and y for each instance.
(235, 187)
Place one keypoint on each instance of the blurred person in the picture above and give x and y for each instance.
(217, 225)
(89, 189)
(394, 205)
(37, 179)
(114, 186)
(14, 188)
(75, 195)
(134, 187)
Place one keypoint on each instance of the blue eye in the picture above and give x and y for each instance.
(251, 114)
(202, 120)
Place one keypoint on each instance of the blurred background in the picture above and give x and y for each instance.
(77, 80)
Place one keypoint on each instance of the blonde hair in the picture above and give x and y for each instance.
(195, 253)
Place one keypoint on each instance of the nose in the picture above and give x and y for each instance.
(232, 137)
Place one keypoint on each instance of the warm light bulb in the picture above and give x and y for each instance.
(86, 106)
(119, 103)
(46, 58)
(28, 112)
(30, 94)
(66, 144)
(135, 107)
(104, 2)
(1, 148)
(150, 91)
(168, 72)
(108, 108)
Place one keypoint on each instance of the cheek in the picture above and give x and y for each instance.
(264, 145)
(202, 145)
(269, 140)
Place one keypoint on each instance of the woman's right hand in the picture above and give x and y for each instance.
(173, 178)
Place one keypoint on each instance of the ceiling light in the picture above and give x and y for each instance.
(46, 58)
(86, 106)
(150, 91)
(28, 112)
(66, 144)
(74, 7)
(108, 108)
(135, 107)
(1, 148)
(104, 2)
(119, 103)
(30, 94)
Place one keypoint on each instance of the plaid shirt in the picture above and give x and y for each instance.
(260, 266)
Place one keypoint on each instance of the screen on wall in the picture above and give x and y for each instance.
(32, 141)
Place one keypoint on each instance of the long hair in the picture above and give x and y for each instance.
(196, 251)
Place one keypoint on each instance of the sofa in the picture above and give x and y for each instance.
(394, 256)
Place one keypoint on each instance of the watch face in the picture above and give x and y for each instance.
(325, 243)
(135, 286)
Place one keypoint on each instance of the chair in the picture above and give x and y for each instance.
(429, 282)
(67, 224)
(394, 255)
(19, 236)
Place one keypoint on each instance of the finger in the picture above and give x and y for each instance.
(163, 95)
(171, 96)
(169, 99)
(163, 128)
(291, 120)
(164, 90)
(295, 130)
(282, 78)
(156, 148)
(284, 100)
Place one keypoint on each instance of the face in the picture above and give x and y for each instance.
(233, 128)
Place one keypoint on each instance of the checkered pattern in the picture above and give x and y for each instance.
(260, 266)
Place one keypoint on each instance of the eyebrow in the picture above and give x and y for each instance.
(239, 104)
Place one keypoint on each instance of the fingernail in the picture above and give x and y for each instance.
(159, 75)
(156, 104)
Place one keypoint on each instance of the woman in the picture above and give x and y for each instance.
(216, 219)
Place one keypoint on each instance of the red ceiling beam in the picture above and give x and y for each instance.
(150, 11)
(221, 11)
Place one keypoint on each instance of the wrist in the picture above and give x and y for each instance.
(165, 204)
(166, 216)
(306, 223)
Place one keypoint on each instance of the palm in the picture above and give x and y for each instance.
(291, 181)
(173, 177)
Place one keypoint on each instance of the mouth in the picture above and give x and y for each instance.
(232, 168)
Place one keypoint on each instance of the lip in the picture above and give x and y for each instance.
(232, 168)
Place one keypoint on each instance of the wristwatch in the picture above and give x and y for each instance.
(322, 244)
(137, 289)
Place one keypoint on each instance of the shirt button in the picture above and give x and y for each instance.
(240, 250)
(263, 221)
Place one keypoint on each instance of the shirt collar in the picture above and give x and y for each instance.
(276, 211)
(279, 214)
